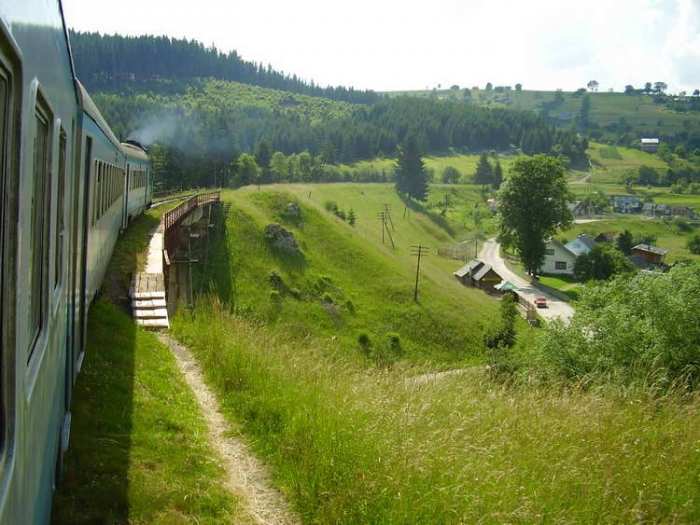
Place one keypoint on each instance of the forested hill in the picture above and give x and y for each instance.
(105, 62)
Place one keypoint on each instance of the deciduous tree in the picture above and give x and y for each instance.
(533, 206)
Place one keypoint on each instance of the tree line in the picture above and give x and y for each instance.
(112, 61)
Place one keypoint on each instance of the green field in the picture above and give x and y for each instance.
(359, 434)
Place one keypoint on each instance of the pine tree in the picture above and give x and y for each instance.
(497, 176)
(411, 177)
(484, 171)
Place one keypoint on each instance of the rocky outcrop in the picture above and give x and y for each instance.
(281, 239)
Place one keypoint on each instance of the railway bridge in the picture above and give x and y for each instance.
(170, 260)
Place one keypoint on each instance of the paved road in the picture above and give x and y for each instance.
(489, 253)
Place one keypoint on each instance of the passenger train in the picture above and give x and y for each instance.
(68, 187)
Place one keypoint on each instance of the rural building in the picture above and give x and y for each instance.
(579, 208)
(626, 204)
(584, 243)
(645, 255)
(683, 211)
(479, 275)
(650, 145)
(558, 258)
(606, 237)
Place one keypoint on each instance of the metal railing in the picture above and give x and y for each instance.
(170, 218)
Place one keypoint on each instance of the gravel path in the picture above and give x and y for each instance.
(246, 477)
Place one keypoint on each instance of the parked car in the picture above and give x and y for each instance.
(541, 301)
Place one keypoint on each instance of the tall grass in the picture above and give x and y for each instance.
(351, 444)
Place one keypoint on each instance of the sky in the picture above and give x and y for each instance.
(391, 45)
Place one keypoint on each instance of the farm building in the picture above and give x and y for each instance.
(650, 145)
(645, 255)
(606, 237)
(479, 275)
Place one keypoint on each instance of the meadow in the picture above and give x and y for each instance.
(364, 435)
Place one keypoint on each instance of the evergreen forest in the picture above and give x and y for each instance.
(200, 110)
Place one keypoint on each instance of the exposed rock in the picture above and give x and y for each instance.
(293, 210)
(281, 239)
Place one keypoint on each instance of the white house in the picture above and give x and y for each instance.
(584, 243)
(558, 258)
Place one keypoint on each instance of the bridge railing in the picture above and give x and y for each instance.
(170, 218)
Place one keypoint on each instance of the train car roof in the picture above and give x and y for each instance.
(134, 152)
(90, 108)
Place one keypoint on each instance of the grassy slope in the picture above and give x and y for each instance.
(350, 443)
(138, 450)
(370, 283)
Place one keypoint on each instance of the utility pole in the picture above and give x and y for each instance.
(418, 251)
(385, 209)
(383, 217)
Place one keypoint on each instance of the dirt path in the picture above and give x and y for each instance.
(246, 475)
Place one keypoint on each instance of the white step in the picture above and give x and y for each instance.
(151, 313)
(149, 303)
(153, 323)
(147, 295)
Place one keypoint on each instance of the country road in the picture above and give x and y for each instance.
(489, 254)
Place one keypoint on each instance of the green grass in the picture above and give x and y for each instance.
(138, 451)
(564, 283)
(348, 279)
(352, 445)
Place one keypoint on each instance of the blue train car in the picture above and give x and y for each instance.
(64, 197)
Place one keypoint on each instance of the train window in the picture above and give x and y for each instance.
(60, 209)
(4, 99)
(40, 206)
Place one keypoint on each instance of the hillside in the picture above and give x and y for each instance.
(613, 117)
(350, 278)
(324, 362)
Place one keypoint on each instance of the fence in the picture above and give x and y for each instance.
(171, 217)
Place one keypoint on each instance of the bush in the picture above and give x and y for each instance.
(693, 244)
(275, 296)
(365, 341)
(642, 329)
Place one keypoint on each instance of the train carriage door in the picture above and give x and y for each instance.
(125, 215)
(10, 95)
(83, 242)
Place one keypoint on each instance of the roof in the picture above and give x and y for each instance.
(468, 268)
(650, 249)
(650, 141)
(586, 239)
(481, 273)
(606, 236)
(506, 286)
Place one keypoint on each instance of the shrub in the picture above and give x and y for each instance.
(365, 341)
(275, 280)
(275, 296)
(693, 244)
(331, 206)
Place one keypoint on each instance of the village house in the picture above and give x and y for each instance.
(650, 145)
(583, 243)
(626, 204)
(479, 275)
(558, 259)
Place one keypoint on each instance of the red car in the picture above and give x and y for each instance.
(541, 301)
